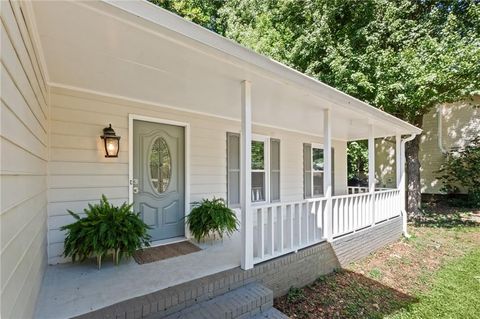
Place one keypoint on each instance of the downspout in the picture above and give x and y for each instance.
(402, 185)
(440, 129)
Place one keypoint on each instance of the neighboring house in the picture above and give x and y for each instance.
(202, 103)
(445, 128)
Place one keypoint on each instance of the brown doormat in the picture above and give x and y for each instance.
(152, 254)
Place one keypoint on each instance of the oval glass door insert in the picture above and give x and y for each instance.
(160, 165)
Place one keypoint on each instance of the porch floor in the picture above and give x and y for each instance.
(69, 290)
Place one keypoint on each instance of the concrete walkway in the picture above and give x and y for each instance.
(69, 290)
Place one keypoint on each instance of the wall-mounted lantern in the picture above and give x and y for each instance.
(111, 141)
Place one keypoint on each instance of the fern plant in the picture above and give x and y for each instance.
(105, 228)
(211, 217)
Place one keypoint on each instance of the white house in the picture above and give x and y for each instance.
(171, 88)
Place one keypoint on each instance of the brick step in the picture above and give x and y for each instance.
(244, 302)
(272, 313)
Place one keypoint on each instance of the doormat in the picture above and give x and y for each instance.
(152, 254)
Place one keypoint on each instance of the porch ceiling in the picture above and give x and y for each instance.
(140, 52)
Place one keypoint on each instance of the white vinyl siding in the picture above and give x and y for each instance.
(24, 155)
(80, 173)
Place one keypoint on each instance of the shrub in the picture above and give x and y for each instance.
(295, 295)
(211, 217)
(105, 228)
(462, 168)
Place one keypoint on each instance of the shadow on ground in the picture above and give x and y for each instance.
(447, 217)
(343, 294)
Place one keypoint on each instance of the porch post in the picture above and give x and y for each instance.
(398, 160)
(327, 176)
(400, 165)
(246, 177)
(371, 170)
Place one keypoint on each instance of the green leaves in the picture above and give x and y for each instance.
(105, 228)
(211, 217)
(462, 169)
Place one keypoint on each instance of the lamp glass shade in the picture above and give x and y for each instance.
(111, 141)
(111, 146)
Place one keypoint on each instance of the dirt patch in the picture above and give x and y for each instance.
(388, 279)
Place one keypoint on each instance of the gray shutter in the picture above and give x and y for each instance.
(307, 170)
(233, 169)
(274, 170)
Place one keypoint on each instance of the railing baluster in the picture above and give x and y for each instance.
(307, 223)
(261, 235)
(290, 218)
(271, 239)
(281, 228)
(335, 217)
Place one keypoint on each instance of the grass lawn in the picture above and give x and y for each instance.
(433, 274)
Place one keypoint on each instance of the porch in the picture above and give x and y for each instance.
(71, 290)
(210, 88)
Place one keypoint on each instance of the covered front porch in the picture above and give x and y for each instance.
(210, 89)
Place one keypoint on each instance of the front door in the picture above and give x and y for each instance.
(159, 177)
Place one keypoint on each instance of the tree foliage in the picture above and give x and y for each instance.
(462, 168)
(357, 161)
(402, 56)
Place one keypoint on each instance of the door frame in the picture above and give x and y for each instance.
(186, 126)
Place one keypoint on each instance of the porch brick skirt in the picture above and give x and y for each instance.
(280, 274)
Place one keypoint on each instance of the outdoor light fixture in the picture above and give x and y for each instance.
(112, 142)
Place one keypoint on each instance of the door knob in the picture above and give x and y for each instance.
(135, 189)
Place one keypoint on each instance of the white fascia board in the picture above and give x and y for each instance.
(168, 20)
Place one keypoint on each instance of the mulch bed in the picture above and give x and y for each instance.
(153, 254)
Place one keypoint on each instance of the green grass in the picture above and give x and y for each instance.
(455, 292)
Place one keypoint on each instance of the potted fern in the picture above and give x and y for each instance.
(105, 229)
(211, 218)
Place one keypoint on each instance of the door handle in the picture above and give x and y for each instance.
(134, 183)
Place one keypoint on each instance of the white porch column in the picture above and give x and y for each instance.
(398, 160)
(371, 170)
(399, 164)
(401, 181)
(246, 177)
(327, 176)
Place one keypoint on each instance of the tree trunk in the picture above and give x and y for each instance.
(413, 176)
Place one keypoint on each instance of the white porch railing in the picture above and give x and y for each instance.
(281, 228)
(387, 204)
(362, 189)
(351, 212)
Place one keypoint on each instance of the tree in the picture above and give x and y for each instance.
(402, 56)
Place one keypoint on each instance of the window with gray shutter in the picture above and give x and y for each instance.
(307, 170)
(274, 170)
(233, 169)
(313, 171)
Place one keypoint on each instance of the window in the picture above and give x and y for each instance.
(258, 171)
(313, 170)
(265, 167)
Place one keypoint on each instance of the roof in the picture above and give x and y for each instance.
(118, 44)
